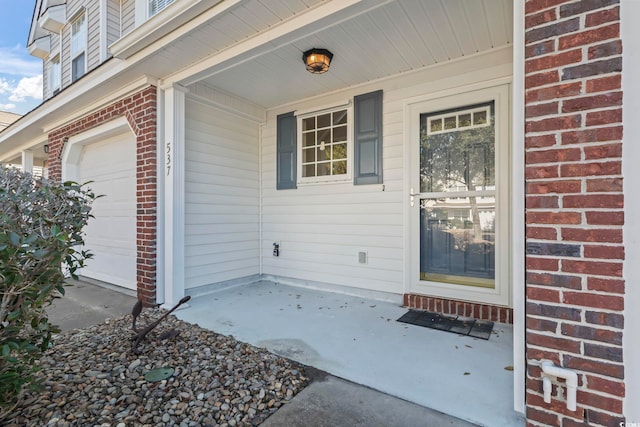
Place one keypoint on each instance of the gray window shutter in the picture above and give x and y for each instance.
(368, 138)
(286, 151)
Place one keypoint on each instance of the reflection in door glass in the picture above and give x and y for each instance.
(457, 232)
(457, 240)
(460, 156)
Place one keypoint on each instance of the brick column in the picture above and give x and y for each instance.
(140, 111)
(574, 208)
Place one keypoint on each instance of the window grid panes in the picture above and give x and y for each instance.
(78, 35)
(78, 47)
(156, 6)
(459, 120)
(324, 144)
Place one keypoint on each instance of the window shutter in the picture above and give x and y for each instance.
(286, 151)
(368, 138)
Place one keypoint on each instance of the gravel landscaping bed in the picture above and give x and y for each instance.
(91, 377)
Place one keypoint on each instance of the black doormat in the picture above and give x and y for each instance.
(463, 326)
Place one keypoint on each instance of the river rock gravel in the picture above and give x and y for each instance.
(91, 377)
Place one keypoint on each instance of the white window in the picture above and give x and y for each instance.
(54, 75)
(468, 119)
(156, 6)
(324, 145)
(78, 47)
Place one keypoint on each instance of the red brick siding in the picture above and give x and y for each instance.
(459, 308)
(140, 111)
(574, 207)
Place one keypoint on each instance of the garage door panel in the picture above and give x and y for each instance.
(111, 234)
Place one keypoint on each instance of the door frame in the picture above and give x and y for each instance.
(498, 91)
(516, 173)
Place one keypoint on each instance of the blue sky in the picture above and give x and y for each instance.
(20, 73)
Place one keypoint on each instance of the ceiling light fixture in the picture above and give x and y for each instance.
(317, 60)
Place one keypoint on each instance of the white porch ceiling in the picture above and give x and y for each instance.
(386, 39)
(252, 49)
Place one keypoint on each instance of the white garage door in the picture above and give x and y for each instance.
(111, 235)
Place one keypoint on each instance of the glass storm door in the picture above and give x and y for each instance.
(457, 196)
(459, 213)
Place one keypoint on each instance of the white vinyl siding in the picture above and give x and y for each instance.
(93, 34)
(65, 56)
(128, 11)
(221, 196)
(322, 228)
(113, 21)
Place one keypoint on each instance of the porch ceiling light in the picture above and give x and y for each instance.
(317, 60)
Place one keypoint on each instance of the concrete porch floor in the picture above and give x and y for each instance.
(359, 340)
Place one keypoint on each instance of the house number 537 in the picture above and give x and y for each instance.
(168, 158)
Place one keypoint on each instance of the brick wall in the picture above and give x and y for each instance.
(140, 111)
(459, 308)
(574, 207)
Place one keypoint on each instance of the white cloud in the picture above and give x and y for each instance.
(7, 107)
(5, 86)
(16, 61)
(28, 87)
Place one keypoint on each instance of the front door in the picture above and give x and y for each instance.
(459, 196)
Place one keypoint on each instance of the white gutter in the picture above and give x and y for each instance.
(103, 88)
(168, 20)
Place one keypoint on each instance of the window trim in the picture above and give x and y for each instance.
(75, 54)
(300, 116)
(55, 85)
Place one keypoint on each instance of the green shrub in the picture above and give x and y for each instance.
(41, 223)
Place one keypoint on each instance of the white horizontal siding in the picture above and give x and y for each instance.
(128, 17)
(46, 91)
(222, 222)
(65, 57)
(113, 21)
(322, 228)
(75, 6)
(93, 35)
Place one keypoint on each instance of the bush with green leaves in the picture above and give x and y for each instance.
(41, 245)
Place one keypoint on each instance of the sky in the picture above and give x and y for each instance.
(20, 73)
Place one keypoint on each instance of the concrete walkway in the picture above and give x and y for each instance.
(328, 401)
(85, 304)
(359, 340)
(334, 402)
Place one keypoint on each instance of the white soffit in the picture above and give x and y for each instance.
(396, 37)
(53, 19)
(40, 48)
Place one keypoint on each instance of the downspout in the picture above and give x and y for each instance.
(160, 291)
(518, 268)
(260, 237)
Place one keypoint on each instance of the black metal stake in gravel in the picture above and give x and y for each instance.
(139, 336)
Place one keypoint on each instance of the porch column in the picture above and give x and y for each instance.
(173, 160)
(27, 161)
